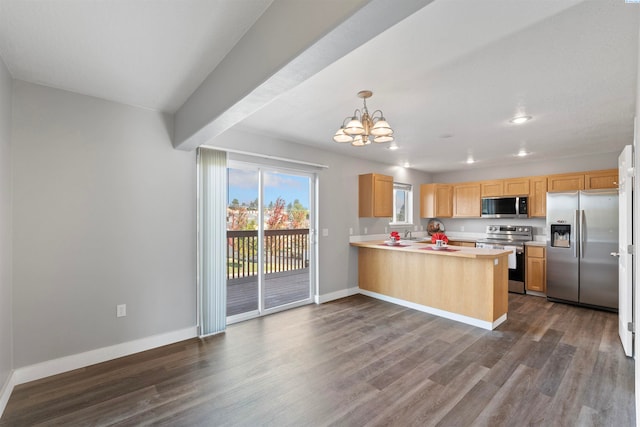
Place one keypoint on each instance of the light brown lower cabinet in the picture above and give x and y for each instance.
(536, 272)
(465, 243)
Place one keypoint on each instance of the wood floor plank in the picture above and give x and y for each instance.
(357, 361)
(553, 372)
(467, 410)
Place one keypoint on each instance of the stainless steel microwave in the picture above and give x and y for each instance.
(505, 207)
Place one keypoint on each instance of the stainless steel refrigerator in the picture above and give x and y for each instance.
(582, 234)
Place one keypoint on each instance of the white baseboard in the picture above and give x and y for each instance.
(437, 312)
(320, 299)
(80, 360)
(6, 390)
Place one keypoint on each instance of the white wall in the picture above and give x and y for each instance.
(338, 200)
(6, 336)
(103, 214)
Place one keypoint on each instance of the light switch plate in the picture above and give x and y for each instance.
(325, 232)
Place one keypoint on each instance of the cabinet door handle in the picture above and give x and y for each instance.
(617, 254)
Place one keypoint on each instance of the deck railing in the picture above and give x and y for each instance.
(284, 250)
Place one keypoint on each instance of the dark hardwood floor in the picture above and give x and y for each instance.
(358, 361)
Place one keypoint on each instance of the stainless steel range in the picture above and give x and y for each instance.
(509, 237)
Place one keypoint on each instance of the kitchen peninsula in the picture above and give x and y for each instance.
(468, 285)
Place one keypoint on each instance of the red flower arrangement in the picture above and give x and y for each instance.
(394, 236)
(439, 236)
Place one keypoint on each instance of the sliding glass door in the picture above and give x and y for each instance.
(286, 213)
(270, 217)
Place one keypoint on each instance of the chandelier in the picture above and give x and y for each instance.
(361, 125)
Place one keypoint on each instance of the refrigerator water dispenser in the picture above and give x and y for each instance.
(560, 235)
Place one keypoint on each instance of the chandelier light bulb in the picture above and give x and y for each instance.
(340, 136)
(380, 139)
(354, 127)
(359, 141)
(381, 128)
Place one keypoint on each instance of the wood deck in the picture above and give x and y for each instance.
(354, 362)
(280, 288)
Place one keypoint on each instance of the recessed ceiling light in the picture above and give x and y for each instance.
(393, 146)
(470, 160)
(518, 120)
(406, 164)
(522, 153)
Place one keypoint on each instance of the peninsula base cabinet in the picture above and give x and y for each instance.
(536, 271)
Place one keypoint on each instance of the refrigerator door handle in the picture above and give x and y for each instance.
(576, 235)
(581, 233)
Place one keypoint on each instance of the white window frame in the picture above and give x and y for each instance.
(408, 189)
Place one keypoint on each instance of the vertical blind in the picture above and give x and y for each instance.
(212, 230)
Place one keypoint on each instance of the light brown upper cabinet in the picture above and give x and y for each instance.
(436, 201)
(515, 187)
(375, 194)
(505, 187)
(466, 200)
(493, 188)
(565, 182)
(601, 179)
(590, 180)
(538, 196)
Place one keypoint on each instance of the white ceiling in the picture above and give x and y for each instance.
(464, 68)
(448, 78)
(147, 53)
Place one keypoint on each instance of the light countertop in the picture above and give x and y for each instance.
(417, 247)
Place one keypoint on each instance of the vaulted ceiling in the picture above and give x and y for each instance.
(448, 77)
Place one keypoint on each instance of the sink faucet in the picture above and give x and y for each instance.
(407, 233)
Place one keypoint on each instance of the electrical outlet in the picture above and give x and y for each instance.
(121, 310)
(462, 228)
(365, 230)
(386, 230)
(325, 232)
(415, 228)
(350, 231)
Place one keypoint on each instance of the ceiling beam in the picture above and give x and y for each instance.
(290, 42)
